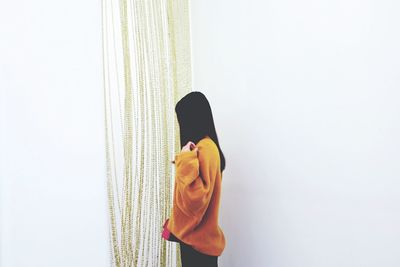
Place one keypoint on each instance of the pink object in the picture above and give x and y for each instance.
(166, 233)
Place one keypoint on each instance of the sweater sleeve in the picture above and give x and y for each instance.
(195, 179)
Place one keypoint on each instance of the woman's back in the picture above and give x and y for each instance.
(194, 217)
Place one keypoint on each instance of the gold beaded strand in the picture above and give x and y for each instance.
(146, 51)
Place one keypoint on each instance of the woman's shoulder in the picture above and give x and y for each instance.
(207, 148)
(207, 142)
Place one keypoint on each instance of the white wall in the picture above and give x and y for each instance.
(305, 96)
(53, 191)
(305, 101)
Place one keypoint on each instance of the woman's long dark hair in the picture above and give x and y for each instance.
(196, 121)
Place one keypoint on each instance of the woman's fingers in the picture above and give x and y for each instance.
(189, 146)
(192, 146)
(186, 147)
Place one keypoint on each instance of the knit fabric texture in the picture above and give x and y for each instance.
(194, 216)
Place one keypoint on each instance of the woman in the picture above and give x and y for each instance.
(199, 166)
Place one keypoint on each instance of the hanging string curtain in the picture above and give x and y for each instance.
(147, 69)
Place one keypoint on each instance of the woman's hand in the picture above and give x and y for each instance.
(189, 146)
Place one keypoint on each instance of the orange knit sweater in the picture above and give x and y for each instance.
(194, 217)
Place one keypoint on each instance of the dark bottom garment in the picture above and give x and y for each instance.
(193, 258)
